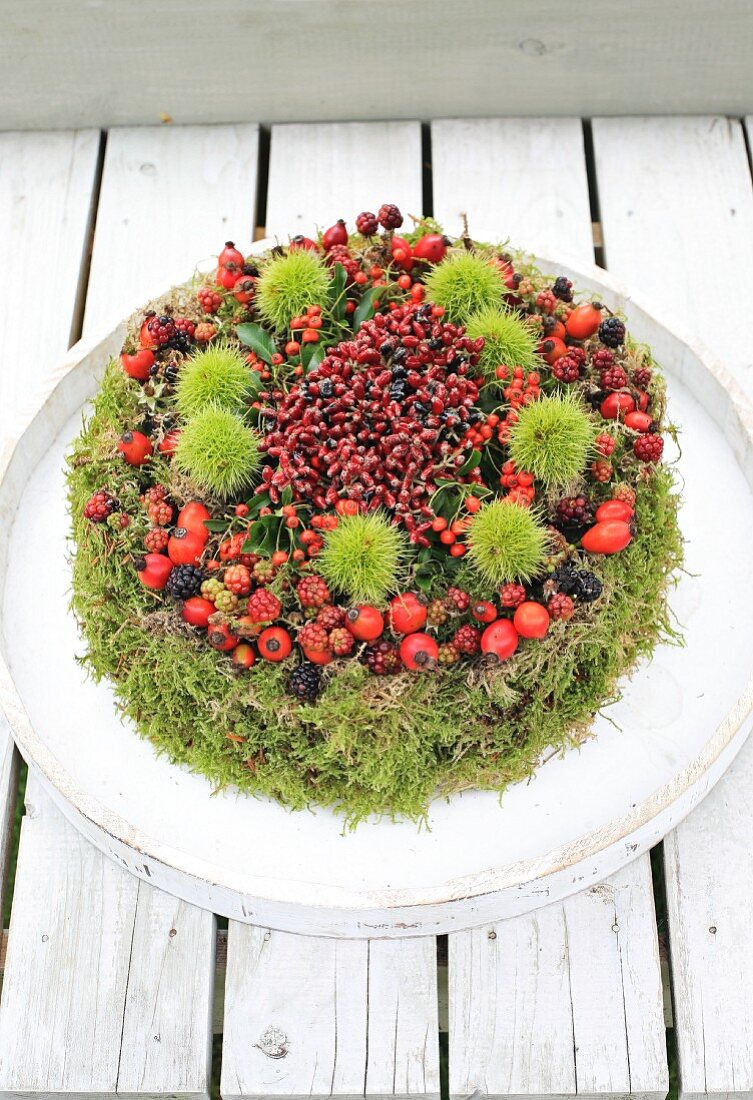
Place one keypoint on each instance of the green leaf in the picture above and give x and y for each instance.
(367, 306)
(337, 293)
(287, 496)
(311, 356)
(422, 581)
(470, 464)
(258, 339)
(217, 526)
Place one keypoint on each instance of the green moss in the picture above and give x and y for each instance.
(370, 744)
(289, 284)
(464, 283)
(552, 438)
(508, 340)
(218, 451)
(506, 542)
(215, 375)
(362, 556)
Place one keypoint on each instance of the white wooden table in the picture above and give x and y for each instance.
(111, 987)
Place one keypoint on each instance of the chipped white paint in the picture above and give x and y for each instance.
(341, 1018)
(584, 816)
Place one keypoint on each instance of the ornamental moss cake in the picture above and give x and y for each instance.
(372, 517)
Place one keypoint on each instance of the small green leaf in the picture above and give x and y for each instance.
(470, 464)
(217, 526)
(311, 356)
(368, 304)
(422, 581)
(337, 293)
(258, 339)
(287, 496)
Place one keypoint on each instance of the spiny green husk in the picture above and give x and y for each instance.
(289, 284)
(362, 557)
(216, 375)
(218, 451)
(506, 542)
(552, 438)
(508, 340)
(464, 283)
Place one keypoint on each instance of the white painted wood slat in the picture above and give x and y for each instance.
(170, 197)
(323, 1017)
(677, 208)
(563, 1001)
(520, 178)
(357, 1017)
(557, 1002)
(320, 173)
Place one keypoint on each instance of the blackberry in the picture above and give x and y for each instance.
(383, 658)
(566, 577)
(436, 612)
(457, 599)
(588, 586)
(562, 288)
(649, 447)
(574, 510)
(326, 389)
(305, 682)
(389, 216)
(642, 377)
(185, 581)
(181, 341)
(161, 329)
(367, 224)
(614, 378)
(612, 332)
(171, 373)
(100, 506)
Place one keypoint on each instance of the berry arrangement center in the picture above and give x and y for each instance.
(372, 516)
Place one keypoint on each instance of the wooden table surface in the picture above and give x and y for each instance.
(112, 987)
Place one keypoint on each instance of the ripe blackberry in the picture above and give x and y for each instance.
(161, 329)
(562, 288)
(341, 641)
(512, 595)
(612, 332)
(156, 539)
(649, 447)
(574, 510)
(642, 377)
(457, 599)
(314, 637)
(367, 224)
(389, 216)
(382, 658)
(181, 342)
(185, 581)
(448, 654)
(614, 378)
(263, 606)
(238, 579)
(436, 613)
(99, 506)
(330, 617)
(588, 587)
(467, 639)
(566, 369)
(560, 606)
(312, 591)
(305, 682)
(566, 577)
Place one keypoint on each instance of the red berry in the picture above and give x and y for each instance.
(367, 224)
(432, 248)
(500, 639)
(484, 612)
(531, 620)
(221, 637)
(197, 610)
(407, 613)
(638, 421)
(560, 606)
(138, 365)
(274, 643)
(607, 537)
(583, 322)
(419, 652)
(648, 448)
(167, 445)
(153, 570)
(185, 547)
(135, 448)
(192, 517)
(299, 241)
(365, 622)
(614, 509)
(616, 405)
(336, 234)
(230, 255)
(243, 655)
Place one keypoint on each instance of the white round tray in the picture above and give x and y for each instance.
(586, 813)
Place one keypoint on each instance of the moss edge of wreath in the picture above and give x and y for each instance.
(369, 745)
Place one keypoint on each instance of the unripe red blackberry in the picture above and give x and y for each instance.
(161, 329)
(99, 506)
(605, 444)
(649, 447)
(340, 254)
(560, 606)
(467, 639)
(156, 539)
(160, 513)
(238, 579)
(574, 510)
(341, 641)
(512, 595)
(209, 300)
(613, 378)
(389, 216)
(566, 369)
(642, 377)
(625, 494)
(263, 606)
(312, 591)
(601, 470)
(313, 637)
(382, 658)
(367, 224)
(602, 359)
(457, 599)
(330, 617)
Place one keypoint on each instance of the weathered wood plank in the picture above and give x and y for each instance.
(547, 1004)
(677, 209)
(322, 1017)
(320, 173)
(64, 65)
(522, 178)
(565, 1001)
(170, 197)
(677, 216)
(46, 189)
